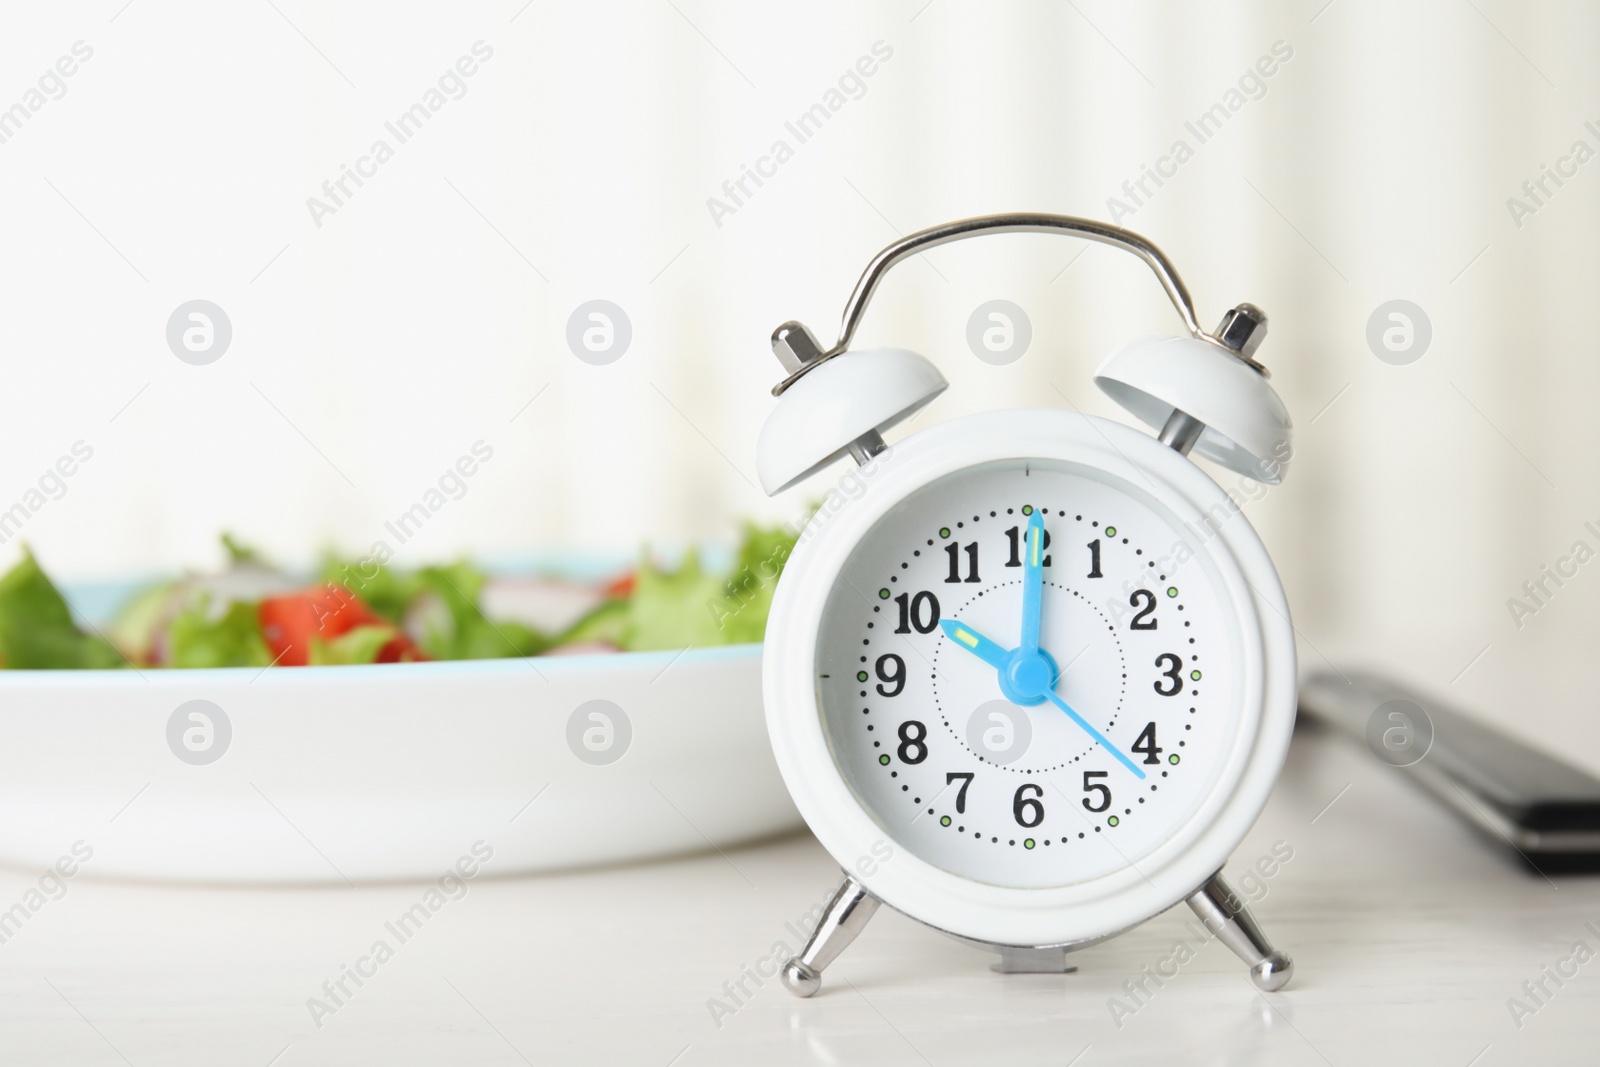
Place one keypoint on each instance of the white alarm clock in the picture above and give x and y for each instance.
(1031, 682)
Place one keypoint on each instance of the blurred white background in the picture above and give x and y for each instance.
(371, 350)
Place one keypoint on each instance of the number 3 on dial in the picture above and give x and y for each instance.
(1173, 674)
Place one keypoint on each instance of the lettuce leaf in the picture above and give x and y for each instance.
(461, 630)
(239, 552)
(197, 638)
(360, 645)
(690, 608)
(36, 627)
(749, 592)
(606, 623)
(139, 621)
(673, 609)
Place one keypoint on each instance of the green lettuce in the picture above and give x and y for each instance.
(197, 637)
(462, 631)
(691, 608)
(688, 606)
(138, 622)
(360, 645)
(673, 609)
(605, 624)
(36, 627)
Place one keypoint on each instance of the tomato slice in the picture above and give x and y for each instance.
(290, 622)
(620, 587)
(400, 649)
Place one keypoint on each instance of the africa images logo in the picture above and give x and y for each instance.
(451, 85)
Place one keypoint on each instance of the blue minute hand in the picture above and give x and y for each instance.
(1096, 734)
(1032, 583)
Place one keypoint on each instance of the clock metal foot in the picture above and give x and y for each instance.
(1225, 914)
(1015, 959)
(845, 916)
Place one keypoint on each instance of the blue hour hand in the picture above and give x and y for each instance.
(974, 642)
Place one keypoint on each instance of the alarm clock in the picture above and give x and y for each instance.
(1031, 681)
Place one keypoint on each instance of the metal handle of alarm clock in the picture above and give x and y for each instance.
(1015, 222)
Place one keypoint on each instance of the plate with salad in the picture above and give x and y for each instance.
(366, 721)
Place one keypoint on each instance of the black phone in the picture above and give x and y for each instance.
(1547, 810)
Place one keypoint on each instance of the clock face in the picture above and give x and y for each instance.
(1029, 673)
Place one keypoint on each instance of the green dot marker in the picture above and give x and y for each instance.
(1113, 821)
(1027, 509)
(1172, 590)
(1027, 843)
(861, 676)
(1195, 675)
(944, 820)
(944, 531)
(1111, 531)
(883, 594)
(885, 760)
(1170, 759)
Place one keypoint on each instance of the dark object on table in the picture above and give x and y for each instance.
(1547, 810)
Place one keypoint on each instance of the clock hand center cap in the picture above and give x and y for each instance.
(1028, 676)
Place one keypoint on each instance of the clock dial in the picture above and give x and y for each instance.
(1027, 673)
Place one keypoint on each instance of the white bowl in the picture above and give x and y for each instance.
(391, 771)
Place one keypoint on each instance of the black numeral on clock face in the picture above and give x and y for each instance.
(953, 550)
(1145, 601)
(965, 778)
(1173, 673)
(1145, 745)
(912, 750)
(920, 612)
(1017, 538)
(1025, 806)
(1099, 789)
(891, 672)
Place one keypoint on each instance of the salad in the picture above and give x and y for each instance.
(253, 614)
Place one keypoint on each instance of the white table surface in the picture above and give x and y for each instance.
(1408, 936)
